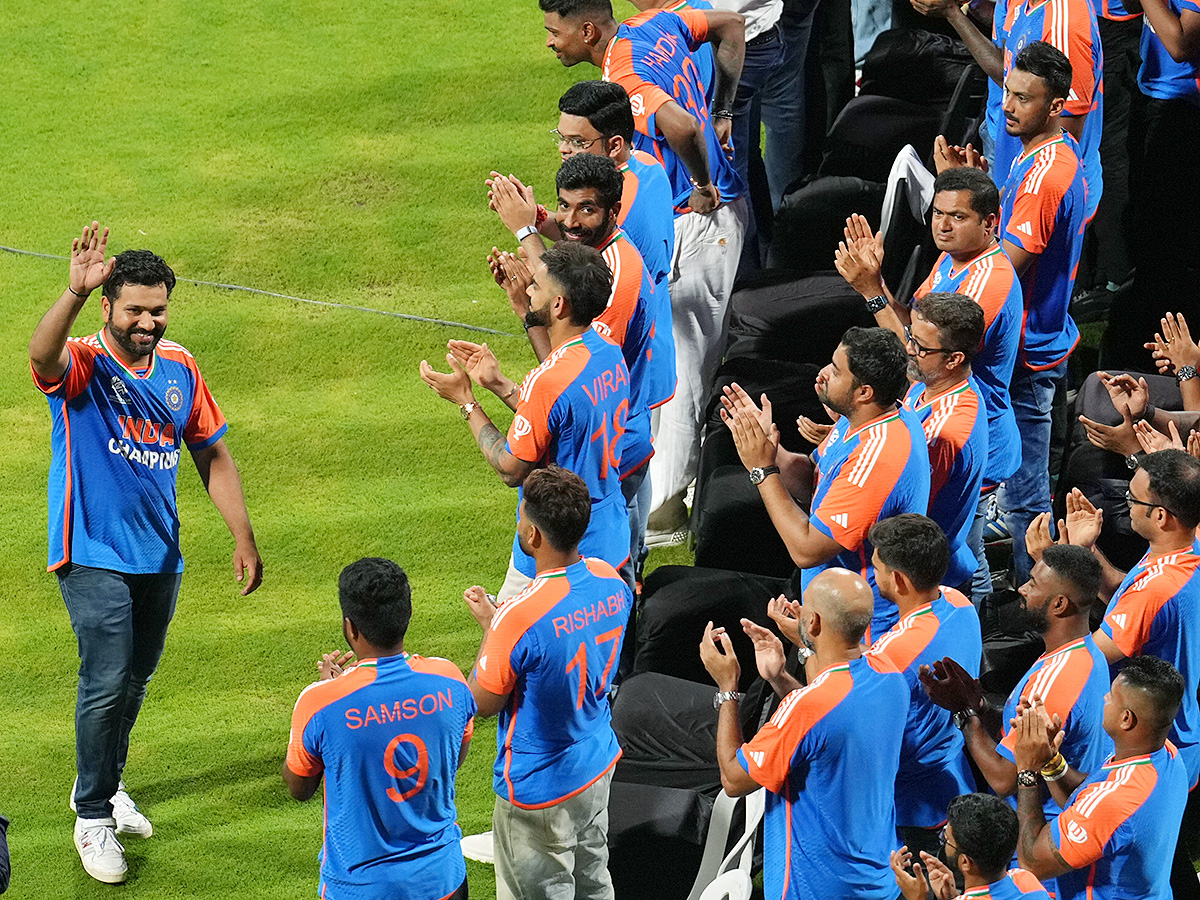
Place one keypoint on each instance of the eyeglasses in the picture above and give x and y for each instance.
(1132, 501)
(573, 143)
(922, 352)
(943, 843)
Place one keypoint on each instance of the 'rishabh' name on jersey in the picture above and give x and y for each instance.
(1070, 26)
(1160, 76)
(1041, 211)
(571, 411)
(648, 220)
(1156, 610)
(388, 736)
(933, 762)
(876, 471)
(955, 426)
(991, 281)
(115, 444)
(553, 648)
(828, 759)
(651, 58)
(1119, 831)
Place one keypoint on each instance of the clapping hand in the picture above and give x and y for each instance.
(479, 361)
(1038, 536)
(951, 156)
(786, 614)
(1114, 438)
(480, 604)
(1084, 520)
(1033, 748)
(512, 201)
(454, 385)
(754, 434)
(1126, 393)
(813, 432)
(951, 686)
(1173, 347)
(333, 664)
(768, 650)
(860, 262)
(716, 652)
(1152, 440)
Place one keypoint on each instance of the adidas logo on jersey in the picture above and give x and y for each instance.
(840, 519)
(1119, 620)
(1025, 228)
(758, 756)
(1076, 833)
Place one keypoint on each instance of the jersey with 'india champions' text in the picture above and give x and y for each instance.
(115, 444)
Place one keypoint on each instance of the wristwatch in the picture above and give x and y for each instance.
(721, 696)
(1185, 373)
(1027, 778)
(525, 232)
(759, 473)
(1132, 461)
(962, 717)
(877, 304)
(467, 408)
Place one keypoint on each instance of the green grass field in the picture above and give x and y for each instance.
(329, 151)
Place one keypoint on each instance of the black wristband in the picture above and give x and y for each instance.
(77, 294)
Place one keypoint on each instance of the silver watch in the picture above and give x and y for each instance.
(721, 696)
(759, 473)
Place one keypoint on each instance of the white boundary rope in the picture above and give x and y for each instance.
(330, 303)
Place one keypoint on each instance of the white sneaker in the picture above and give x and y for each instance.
(130, 819)
(102, 854)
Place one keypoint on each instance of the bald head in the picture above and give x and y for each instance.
(844, 601)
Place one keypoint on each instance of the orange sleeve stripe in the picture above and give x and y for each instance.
(311, 701)
(697, 24)
(539, 392)
(864, 483)
(626, 268)
(509, 625)
(435, 665)
(769, 753)
(1068, 27)
(1100, 809)
(1059, 683)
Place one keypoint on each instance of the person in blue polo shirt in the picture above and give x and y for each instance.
(123, 403)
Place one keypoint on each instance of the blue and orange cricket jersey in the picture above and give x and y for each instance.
(1120, 828)
(554, 649)
(991, 281)
(933, 762)
(571, 411)
(647, 219)
(702, 54)
(1070, 26)
(1041, 211)
(115, 443)
(956, 433)
(1156, 611)
(389, 736)
(1072, 681)
(828, 759)
(1162, 77)
(878, 470)
(628, 320)
(1017, 884)
(651, 57)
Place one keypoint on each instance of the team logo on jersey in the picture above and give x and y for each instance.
(120, 392)
(937, 278)
(638, 103)
(520, 426)
(1076, 833)
(174, 398)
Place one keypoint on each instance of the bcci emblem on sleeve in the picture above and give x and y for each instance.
(174, 398)
(521, 427)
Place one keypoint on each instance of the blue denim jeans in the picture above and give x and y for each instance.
(637, 491)
(1027, 492)
(981, 582)
(120, 623)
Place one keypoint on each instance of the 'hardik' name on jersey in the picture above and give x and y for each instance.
(614, 605)
(409, 708)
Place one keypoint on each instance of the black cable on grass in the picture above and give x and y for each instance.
(250, 290)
